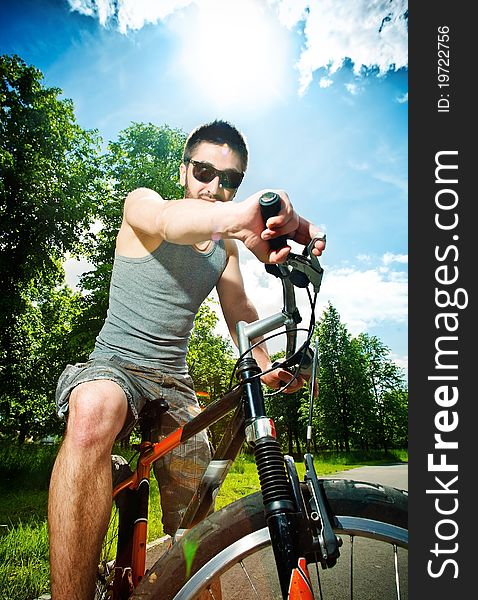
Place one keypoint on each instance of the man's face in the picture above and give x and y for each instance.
(221, 158)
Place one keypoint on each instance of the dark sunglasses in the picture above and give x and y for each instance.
(205, 173)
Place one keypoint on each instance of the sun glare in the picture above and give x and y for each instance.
(234, 53)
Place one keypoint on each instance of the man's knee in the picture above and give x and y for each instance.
(97, 412)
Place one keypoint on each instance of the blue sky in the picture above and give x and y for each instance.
(319, 88)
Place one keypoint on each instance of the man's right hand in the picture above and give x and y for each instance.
(256, 235)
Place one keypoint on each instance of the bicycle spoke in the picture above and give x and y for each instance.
(351, 567)
(397, 579)
(249, 579)
(106, 562)
(319, 583)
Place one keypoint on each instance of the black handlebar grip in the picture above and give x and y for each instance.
(270, 204)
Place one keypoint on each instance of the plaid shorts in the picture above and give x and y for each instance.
(180, 471)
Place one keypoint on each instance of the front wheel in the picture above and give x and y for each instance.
(234, 544)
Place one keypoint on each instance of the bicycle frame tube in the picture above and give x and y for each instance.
(205, 419)
(138, 559)
(222, 460)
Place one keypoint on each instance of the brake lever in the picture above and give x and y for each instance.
(307, 251)
(309, 265)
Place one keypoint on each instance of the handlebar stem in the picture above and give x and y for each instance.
(246, 332)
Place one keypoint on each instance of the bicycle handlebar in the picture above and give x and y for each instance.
(270, 204)
(296, 271)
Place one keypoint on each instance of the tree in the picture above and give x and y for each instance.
(41, 349)
(210, 360)
(362, 398)
(343, 400)
(285, 410)
(49, 185)
(386, 385)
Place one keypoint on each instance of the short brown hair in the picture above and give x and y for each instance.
(217, 132)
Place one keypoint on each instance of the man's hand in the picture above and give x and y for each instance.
(279, 378)
(256, 235)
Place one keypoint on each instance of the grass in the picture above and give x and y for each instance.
(24, 570)
(24, 477)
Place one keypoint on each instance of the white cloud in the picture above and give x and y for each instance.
(389, 258)
(325, 82)
(367, 298)
(370, 34)
(291, 12)
(403, 99)
(134, 14)
(401, 361)
(364, 258)
(352, 88)
(359, 166)
(74, 268)
(128, 14)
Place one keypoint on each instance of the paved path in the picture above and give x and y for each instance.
(395, 475)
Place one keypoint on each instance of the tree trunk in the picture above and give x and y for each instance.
(290, 440)
(23, 429)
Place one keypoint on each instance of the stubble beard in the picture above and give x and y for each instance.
(202, 196)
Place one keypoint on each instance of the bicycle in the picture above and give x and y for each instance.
(302, 522)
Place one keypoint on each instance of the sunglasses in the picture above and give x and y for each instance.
(205, 173)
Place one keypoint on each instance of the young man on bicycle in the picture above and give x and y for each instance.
(169, 256)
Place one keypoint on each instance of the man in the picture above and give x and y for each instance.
(169, 256)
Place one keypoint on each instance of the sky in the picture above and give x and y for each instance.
(318, 87)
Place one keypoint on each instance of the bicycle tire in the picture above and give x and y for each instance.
(239, 530)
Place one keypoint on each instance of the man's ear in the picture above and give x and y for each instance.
(182, 174)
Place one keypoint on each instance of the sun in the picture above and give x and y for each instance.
(233, 53)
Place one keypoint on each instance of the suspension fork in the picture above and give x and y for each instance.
(280, 509)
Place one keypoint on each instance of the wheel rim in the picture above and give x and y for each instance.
(354, 527)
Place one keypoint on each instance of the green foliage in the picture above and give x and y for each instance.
(341, 383)
(49, 184)
(210, 360)
(37, 359)
(210, 356)
(362, 401)
(49, 175)
(28, 467)
(387, 393)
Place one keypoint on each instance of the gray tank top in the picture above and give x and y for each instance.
(153, 301)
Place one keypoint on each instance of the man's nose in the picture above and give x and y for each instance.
(214, 185)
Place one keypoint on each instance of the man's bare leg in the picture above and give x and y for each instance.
(79, 503)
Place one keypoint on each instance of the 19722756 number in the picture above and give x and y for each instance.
(443, 56)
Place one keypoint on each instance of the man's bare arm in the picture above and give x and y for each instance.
(190, 221)
(236, 306)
